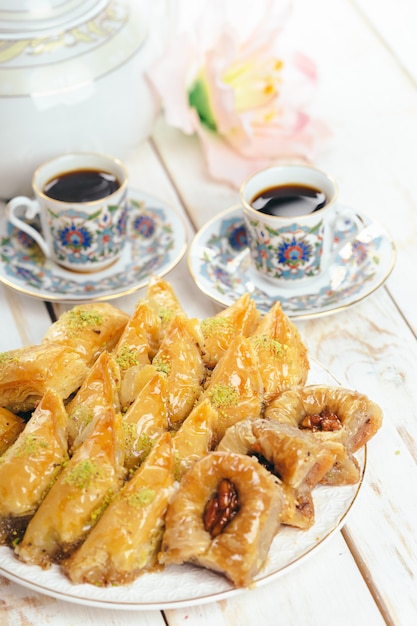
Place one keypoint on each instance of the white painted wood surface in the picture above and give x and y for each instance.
(366, 53)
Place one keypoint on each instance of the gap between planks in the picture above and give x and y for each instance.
(367, 576)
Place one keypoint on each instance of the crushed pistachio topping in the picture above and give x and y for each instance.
(144, 443)
(148, 552)
(79, 318)
(213, 325)
(126, 357)
(141, 498)
(81, 414)
(166, 314)
(265, 342)
(222, 396)
(83, 474)
(162, 364)
(5, 357)
(130, 431)
(98, 512)
(30, 446)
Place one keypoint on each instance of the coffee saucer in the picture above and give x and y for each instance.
(156, 243)
(219, 262)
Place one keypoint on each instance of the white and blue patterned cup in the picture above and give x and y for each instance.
(78, 215)
(296, 240)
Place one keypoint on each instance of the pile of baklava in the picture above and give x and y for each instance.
(130, 442)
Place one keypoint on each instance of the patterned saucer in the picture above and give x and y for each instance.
(157, 242)
(219, 263)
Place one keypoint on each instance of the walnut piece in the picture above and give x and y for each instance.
(221, 508)
(325, 421)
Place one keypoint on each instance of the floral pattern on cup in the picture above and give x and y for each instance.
(292, 252)
(155, 242)
(80, 237)
(83, 221)
(223, 268)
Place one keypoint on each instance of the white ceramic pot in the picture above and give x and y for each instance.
(72, 78)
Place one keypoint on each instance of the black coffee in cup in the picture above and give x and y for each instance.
(290, 200)
(84, 185)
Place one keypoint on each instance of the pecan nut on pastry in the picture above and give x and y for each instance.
(224, 517)
(341, 419)
(296, 458)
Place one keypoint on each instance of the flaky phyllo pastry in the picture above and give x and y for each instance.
(241, 318)
(147, 417)
(128, 536)
(61, 361)
(89, 329)
(29, 466)
(98, 391)
(129, 443)
(11, 426)
(224, 516)
(81, 492)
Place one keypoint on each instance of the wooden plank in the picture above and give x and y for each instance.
(373, 114)
(306, 590)
(19, 606)
(395, 25)
(24, 320)
(369, 111)
(371, 349)
(371, 107)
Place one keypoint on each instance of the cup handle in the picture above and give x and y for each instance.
(344, 220)
(31, 210)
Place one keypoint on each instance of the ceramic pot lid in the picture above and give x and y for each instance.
(27, 18)
(78, 46)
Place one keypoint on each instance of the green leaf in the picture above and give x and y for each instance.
(95, 215)
(199, 99)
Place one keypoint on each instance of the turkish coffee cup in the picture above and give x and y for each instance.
(80, 205)
(293, 222)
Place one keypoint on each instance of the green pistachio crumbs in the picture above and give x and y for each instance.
(166, 314)
(8, 357)
(213, 325)
(126, 357)
(265, 342)
(141, 498)
(79, 319)
(81, 414)
(162, 364)
(222, 396)
(83, 474)
(30, 446)
(144, 443)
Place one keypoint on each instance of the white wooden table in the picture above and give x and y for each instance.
(366, 574)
